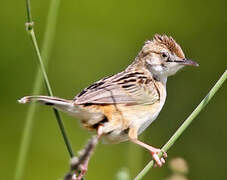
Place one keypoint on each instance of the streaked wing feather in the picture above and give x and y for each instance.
(128, 88)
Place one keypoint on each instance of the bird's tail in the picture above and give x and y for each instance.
(58, 103)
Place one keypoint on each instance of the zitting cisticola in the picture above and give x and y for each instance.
(122, 106)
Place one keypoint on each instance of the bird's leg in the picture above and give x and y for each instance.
(100, 131)
(154, 151)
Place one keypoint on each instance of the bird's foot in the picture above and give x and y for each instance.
(158, 161)
(83, 170)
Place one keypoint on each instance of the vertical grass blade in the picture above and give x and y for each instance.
(46, 49)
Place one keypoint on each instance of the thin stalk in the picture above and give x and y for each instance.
(42, 68)
(31, 33)
(46, 49)
(186, 123)
(25, 141)
(28, 8)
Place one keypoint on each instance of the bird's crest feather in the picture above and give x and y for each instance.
(169, 43)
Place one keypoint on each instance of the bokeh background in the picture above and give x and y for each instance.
(99, 38)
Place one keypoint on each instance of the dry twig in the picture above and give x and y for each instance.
(79, 165)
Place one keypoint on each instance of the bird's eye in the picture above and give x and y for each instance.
(164, 54)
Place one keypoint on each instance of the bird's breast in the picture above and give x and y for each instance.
(153, 110)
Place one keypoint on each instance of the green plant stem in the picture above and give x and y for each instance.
(28, 8)
(50, 30)
(46, 49)
(186, 123)
(31, 33)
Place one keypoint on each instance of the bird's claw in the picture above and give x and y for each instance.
(159, 161)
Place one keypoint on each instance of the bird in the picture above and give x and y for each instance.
(120, 107)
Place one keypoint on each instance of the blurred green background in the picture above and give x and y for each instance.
(99, 38)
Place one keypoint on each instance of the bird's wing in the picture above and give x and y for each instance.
(122, 88)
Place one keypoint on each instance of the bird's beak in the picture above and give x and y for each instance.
(188, 62)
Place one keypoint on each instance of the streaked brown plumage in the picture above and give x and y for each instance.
(125, 104)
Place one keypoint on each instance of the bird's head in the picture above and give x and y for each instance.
(163, 57)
